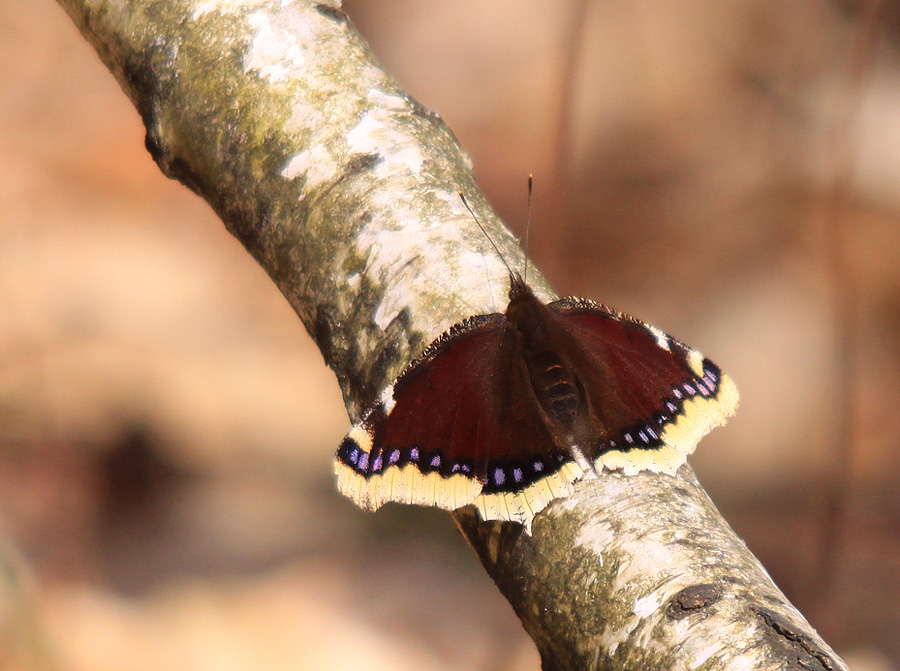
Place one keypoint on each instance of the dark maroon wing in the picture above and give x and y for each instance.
(651, 397)
(463, 411)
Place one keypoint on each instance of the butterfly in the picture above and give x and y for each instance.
(508, 410)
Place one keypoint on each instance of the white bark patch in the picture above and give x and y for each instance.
(645, 606)
(387, 313)
(232, 7)
(701, 656)
(315, 164)
(658, 551)
(376, 133)
(743, 663)
(596, 538)
(275, 53)
(205, 8)
(612, 638)
(389, 100)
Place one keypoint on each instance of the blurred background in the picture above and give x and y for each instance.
(727, 171)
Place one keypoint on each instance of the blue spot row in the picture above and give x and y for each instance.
(647, 436)
(352, 455)
(499, 477)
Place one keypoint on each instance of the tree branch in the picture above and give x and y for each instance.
(345, 190)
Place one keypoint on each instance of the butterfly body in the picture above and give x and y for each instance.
(553, 381)
(508, 410)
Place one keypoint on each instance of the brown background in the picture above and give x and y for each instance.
(166, 425)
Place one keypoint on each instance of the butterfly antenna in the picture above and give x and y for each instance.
(490, 239)
(528, 226)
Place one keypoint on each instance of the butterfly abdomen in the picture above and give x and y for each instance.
(555, 387)
(553, 381)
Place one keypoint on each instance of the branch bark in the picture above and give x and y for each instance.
(345, 190)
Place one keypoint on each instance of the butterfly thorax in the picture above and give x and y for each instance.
(553, 380)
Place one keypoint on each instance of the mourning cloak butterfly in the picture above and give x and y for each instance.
(507, 411)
